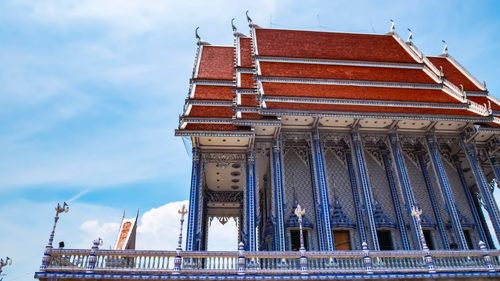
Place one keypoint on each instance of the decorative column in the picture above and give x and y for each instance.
(278, 197)
(321, 185)
(470, 200)
(251, 204)
(194, 200)
(48, 248)
(443, 182)
(492, 151)
(495, 166)
(482, 183)
(432, 197)
(404, 181)
(405, 184)
(365, 185)
(355, 195)
(416, 212)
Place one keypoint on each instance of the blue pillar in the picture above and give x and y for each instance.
(321, 185)
(405, 184)
(251, 204)
(194, 200)
(278, 198)
(355, 195)
(365, 186)
(470, 201)
(482, 183)
(495, 166)
(432, 197)
(443, 182)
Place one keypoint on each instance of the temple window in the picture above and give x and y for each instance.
(342, 240)
(385, 240)
(468, 238)
(429, 240)
(295, 239)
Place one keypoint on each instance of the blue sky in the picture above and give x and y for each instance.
(91, 90)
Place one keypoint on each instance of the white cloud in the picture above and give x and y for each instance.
(31, 222)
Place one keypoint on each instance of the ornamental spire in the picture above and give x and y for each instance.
(410, 36)
(199, 41)
(445, 48)
(250, 22)
(233, 26)
(392, 29)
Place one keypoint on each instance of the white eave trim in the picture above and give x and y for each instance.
(210, 102)
(198, 59)
(383, 103)
(394, 116)
(465, 72)
(408, 49)
(340, 62)
(360, 83)
(207, 82)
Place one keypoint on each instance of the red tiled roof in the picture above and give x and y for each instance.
(249, 100)
(217, 62)
(203, 92)
(300, 70)
(330, 45)
(484, 100)
(211, 111)
(247, 80)
(453, 74)
(355, 92)
(369, 109)
(245, 52)
(211, 127)
(248, 115)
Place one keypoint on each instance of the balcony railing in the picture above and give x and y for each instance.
(269, 263)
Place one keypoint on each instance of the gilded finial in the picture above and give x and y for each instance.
(445, 48)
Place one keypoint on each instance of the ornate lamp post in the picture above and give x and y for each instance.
(417, 212)
(299, 212)
(178, 259)
(7, 261)
(46, 255)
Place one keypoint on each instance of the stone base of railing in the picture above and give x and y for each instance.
(66, 276)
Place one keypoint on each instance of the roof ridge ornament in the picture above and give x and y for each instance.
(410, 36)
(249, 19)
(445, 48)
(392, 29)
(233, 26)
(235, 29)
(199, 41)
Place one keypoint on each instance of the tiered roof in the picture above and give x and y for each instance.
(274, 72)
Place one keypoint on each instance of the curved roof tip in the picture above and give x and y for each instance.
(410, 36)
(233, 26)
(199, 41)
(392, 29)
(445, 48)
(248, 18)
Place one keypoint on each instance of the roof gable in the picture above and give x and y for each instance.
(330, 45)
(454, 74)
(216, 62)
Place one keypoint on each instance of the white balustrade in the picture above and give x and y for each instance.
(207, 262)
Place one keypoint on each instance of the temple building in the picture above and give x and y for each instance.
(339, 155)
